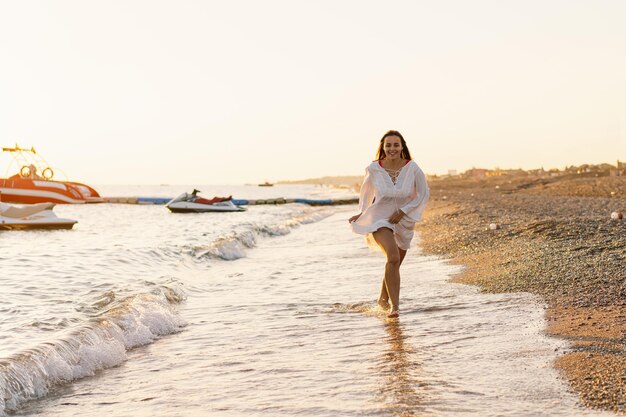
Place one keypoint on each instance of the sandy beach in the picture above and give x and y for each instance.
(553, 237)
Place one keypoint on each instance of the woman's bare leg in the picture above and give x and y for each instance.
(383, 299)
(384, 237)
(402, 254)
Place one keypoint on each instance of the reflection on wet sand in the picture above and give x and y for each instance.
(398, 393)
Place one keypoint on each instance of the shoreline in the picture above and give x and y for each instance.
(564, 248)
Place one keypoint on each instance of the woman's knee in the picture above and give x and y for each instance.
(393, 259)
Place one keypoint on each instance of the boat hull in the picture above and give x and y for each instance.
(27, 191)
(37, 226)
(38, 216)
(204, 209)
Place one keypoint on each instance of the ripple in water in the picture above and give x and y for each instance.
(286, 328)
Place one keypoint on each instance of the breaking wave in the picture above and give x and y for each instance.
(233, 246)
(115, 320)
(102, 342)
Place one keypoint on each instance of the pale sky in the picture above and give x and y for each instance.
(231, 92)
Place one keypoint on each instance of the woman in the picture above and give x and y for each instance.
(393, 197)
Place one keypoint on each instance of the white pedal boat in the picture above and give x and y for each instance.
(33, 216)
(191, 203)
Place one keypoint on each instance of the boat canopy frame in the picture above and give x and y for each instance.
(29, 163)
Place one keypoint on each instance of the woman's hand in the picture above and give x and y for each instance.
(354, 218)
(396, 217)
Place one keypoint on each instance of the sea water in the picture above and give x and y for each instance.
(268, 312)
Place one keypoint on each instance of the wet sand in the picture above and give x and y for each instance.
(555, 239)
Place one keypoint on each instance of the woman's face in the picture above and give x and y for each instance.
(392, 147)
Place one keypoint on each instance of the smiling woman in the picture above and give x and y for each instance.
(393, 197)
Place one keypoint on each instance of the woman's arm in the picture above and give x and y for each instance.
(415, 207)
(366, 195)
(367, 192)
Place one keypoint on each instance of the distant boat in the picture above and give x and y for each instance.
(34, 183)
(266, 184)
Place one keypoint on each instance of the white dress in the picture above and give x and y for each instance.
(380, 198)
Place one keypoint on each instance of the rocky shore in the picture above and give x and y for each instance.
(554, 238)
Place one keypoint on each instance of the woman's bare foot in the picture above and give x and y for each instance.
(384, 304)
(394, 313)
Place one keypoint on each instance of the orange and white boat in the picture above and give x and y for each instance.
(34, 183)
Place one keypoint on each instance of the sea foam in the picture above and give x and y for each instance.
(233, 246)
(100, 343)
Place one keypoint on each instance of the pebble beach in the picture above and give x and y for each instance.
(555, 238)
